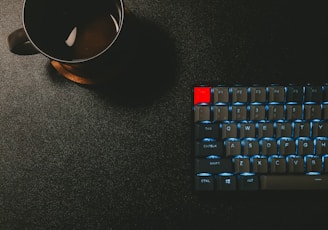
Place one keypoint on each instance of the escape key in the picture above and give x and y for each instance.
(202, 95)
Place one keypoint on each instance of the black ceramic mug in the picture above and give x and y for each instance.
(73, 34)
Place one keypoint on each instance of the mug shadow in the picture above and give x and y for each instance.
(141, 68)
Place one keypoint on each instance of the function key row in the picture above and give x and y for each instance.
(272, 93)
(258, 111)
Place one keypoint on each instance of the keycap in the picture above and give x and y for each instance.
(265, 129)
(239, 94)
(313, 163)
(277, 164)
(247, 130)
(321, 145)
(257, 112)
(206, 129)
(312, 111)
(213, 165)
(202, 113)
(229, 130)
(320, 129)
(241, 164)
(257, 94)
(295, 164)
(221, 94)
(304, 146)
(202, 95)
(248, 182)
(301, 129)
(268, 146)
(294, 182)
(238, 112)
(313, 93)
(232, 147)
(283, 129)
(220, 112)
(226, 182)
(276, 93)
(294, 94)
(276, 111)
(250, 146)
(209, 147)
(294, 112)
(204, 182)
(259, 164)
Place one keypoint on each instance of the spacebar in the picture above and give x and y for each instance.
(294, 182)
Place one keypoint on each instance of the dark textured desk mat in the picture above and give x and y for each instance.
(119, 156)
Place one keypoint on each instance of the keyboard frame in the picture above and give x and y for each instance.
(194, 157)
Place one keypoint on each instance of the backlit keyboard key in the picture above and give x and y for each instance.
(220, 112)
(206, 130)
(294, 182)
(265, 129)
(313, 163)
(213, 165)
(248, 182)
(259, 164)
(241, 164)
(238, 112)
(204, 182)
(202, 113)
(294, 112)
(250, 146)
(257, 112)
(257, 94)
(286, 146)
(277, 164)
(233, 147)
(246, 130)
(229, 130)
(221, 94)
(276, 93)
(312, 111)
(301, 129)
(313, 93)
(268, 146)
(304, 146)
(202, 95)
(226, 182)
(320, 128)
(294, 94)
(295, 164)
(239, 94)
(209, 148)
(283, 129)
(321, 145)
(276, 111)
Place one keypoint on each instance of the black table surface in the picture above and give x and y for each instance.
(120, 156)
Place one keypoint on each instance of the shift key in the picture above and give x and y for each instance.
(213, 165)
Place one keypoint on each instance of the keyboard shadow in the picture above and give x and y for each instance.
(264, 196)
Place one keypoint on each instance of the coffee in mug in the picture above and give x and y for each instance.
(72, 34)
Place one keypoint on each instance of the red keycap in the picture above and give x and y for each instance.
(202, 95)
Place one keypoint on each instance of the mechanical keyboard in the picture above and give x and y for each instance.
(260, 137)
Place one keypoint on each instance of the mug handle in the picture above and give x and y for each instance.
(19, 43)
